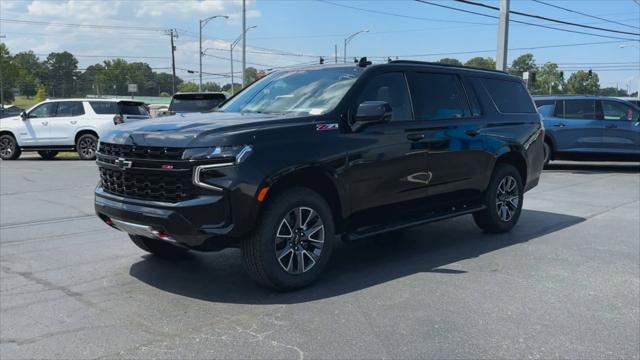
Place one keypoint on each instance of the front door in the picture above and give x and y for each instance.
(575, 126)
(388, 163)
(621, 127)
(35, 129)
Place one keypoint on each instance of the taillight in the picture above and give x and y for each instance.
(118, 119)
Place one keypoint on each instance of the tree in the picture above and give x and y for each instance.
(9, 73)
(611, 91)
(482, 63)
(580, 82)
(211, 86)
(188, 86)
(41, 93)
(549, 79)
(250, 75)
(227, 87)
(62, 67)
(32, 72)
(450, 61)
(523, 63)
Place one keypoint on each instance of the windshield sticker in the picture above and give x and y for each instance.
(316, 111)
(325, 127)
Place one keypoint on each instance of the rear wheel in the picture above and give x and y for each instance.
(503, 201)
(293, 242)
(86, 146)
(9, 149)
(47, 155)
(159, 248)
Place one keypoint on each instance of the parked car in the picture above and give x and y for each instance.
(590, 128)
(300, 158)
(69, 124)
(195, 102)
(9, 110)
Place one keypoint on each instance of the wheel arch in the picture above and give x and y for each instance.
(517, 160)
(316, 179)
(8, 132)
(84, 132)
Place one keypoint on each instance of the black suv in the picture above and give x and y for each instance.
(303, 157)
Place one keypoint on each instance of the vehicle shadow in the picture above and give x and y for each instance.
(589, 168)
(220, 277)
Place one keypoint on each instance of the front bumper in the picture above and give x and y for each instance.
(201, 223)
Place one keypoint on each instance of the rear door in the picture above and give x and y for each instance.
(575, 126)
(450, 125)
(621, 132)
(63, 126)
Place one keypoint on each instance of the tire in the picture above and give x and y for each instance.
(501, 214)
(159, 248)
(292, 243)
(48, 154)
(548, 152)
(9, 149)
(86, 146)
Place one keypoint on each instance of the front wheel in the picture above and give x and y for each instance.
(293, 241)
(9, 149)
(48, 154)
(502, 199)
(86, 146)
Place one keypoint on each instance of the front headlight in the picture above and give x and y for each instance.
(235, 154)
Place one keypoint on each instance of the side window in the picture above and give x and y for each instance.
(104, 107)
(44, 110)
(614, 110)
(70, 108)
(545, 107)
(438, 96)
(509, 96)
(391, 88)
(578, 109)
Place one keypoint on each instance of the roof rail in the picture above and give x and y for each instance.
(416, 62)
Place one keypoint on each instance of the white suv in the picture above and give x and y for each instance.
(66, 124)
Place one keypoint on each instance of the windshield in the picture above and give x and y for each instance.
(306, 92)
(195, 102)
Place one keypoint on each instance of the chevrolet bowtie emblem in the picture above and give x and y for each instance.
(123, 164)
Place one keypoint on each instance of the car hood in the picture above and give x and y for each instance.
(194, 129)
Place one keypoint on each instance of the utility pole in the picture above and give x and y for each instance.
(204, 23)
(244, 40)
(1, 83)
(503, 36)
(173, 34)
(335, 52)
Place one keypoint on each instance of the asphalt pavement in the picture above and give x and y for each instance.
(565, 283)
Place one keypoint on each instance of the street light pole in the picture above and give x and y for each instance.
(244, 40)
(503, 36)
(231, 46)
(347, 40)
(204, 23)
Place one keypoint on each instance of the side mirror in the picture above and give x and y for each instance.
(24, 115)
(371, 112)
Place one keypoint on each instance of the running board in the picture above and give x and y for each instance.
(434, 216)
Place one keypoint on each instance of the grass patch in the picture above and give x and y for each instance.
(67, 155)
(23, 102)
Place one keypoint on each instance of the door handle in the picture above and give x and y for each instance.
(611, 126)
(415, 137)
(559, 125)
(73, 122)
(472, 133)
(45, 123)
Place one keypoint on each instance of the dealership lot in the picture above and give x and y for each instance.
(564, 283)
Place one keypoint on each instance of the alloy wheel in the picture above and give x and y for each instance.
(299, 240)
(6, 148)
(507, 198)
(88, 147)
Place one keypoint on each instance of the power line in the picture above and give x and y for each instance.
(110, 56)
(548, 19)
(522, 22)
(584, 14)
(91, 26)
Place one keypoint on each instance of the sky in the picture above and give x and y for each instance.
(292, 32)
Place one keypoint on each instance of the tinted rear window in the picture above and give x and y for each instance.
(195, 102)
(576, 109)
(122, 107)
(104, 107)
(132, 108)
(509, 96)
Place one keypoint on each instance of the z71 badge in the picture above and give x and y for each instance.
(325, 127)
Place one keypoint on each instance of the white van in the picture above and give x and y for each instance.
(65, 124)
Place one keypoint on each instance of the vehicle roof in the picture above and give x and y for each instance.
(95, 99)
(407, 63)
(575, 97)
(199, 93)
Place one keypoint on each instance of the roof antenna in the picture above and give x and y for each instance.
(363, 62)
